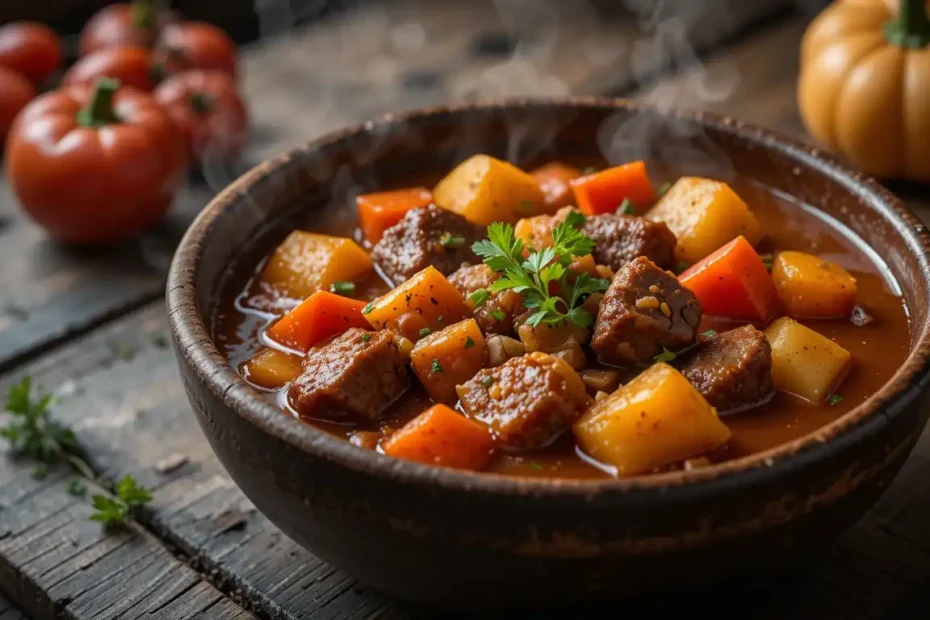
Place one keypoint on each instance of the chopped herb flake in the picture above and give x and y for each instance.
(450, 241)
(487, 381)
(76, 487)
(368, 307)
(666, 356)
(434, 366)
(590, 170)
(626, 207)
(535, 465)
(469, 343)
(680, 267)
(527, 207)
(834, 399)
(426, 331)
(346, 289)
(709, 333)
(768, 260)
(366, 337)
(498, 314)
(663, 189)
(115, 511)
(479, 297)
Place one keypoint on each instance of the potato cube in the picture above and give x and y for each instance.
(812, 287)
(804, 362)
(483, 190)
(270, 368)
(306, 262)
(447, 358)
(656, 419)
(704, 214)
(427, 300)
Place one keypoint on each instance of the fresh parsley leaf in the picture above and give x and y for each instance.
(536, 318)
(834, 399)
(498, 314)
(368, 307)
(469, 343)
(581, 317)
(30, 431)
(366, 337)
(115, 511)
(426, 331)
(663, 189)
(768, 260)
(76, 487)
(665, 356)
(346, 289)
(450, 241)
(709, 333)
(435, 367)
(627, 207)
(479, 297)
(487, 381)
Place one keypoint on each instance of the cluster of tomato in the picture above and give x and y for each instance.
(99, 156)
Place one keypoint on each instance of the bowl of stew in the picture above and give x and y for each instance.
(533, 353)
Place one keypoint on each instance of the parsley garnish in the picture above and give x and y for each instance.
(76, 487)
(114, 511)
(626, 207)
(366, 337)
(670, 356)
(434, 366)
(346, 289)
(426, 331)
(498, 315)
(368, 307)
(503, 253)
(487, 381)
(479, 297)
(834, 399)
(680, 267)
(469, 343)
(535, 465)
(450, 241)
(666, 356)
(30, 431)
(709, 333)
(768, 260)
(663, 189)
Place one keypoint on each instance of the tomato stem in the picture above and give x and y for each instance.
(911, 28)
(99, 110)
(143, 15)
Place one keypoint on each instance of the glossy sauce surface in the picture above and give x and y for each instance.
(878, 349)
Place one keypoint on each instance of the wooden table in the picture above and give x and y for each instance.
(92, 328)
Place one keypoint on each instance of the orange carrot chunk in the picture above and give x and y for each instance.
(441, 436)
(733, 283)
(319, 317)
(604, 191)
(379, 211)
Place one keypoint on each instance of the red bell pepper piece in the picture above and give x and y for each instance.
(733, 283)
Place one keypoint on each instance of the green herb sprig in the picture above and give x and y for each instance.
(115, 511)
(503, 253)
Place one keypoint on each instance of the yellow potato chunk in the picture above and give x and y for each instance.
(812, 287)
(427, 300)
(447, 358)
(704, 214)
(306, 262)
(804, 362)
(656, 419)
(483, 190)
(270, 368)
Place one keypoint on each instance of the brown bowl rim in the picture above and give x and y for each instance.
(194, 343)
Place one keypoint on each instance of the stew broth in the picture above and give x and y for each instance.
(878, 349)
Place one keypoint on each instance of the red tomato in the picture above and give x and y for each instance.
(132, 66)
(208, 109)
(95, 165)
(15, 92)
(119, 25)
(31, 49)
(196, 45)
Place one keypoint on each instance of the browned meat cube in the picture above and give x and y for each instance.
(619, 239)
(645, 310)
(495, 315)
(352, 378)
(426, 236)
(733, 370)
(528, 401)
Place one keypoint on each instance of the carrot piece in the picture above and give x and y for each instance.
(555, 182)
(440, 436)
(604, 191)
(320, 317)
(379, 211)
(734, 283)
(270, 369)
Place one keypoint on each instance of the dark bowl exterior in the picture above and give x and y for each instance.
(478, 542)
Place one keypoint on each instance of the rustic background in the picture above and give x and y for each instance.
(91, 325)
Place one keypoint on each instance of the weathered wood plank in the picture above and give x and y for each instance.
(9, 611)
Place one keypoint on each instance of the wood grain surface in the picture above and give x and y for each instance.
(92, 329)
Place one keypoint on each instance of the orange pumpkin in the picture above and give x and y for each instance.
(864, 87)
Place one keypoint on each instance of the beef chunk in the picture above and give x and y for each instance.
(644, 310)
(352, 378)
(619, 239)
(733, 370)
(426, 236)
(528, 401)
(497, 314)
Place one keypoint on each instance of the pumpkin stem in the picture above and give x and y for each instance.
(911, 28)
(99, 110)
